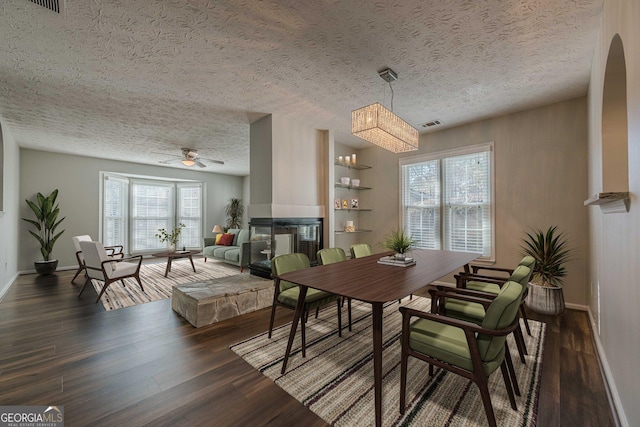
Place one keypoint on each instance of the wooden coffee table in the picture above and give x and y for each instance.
(176, 255)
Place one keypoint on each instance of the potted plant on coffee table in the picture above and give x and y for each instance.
(46, 222)
(171, 238)
(551, 251)
(399, 242)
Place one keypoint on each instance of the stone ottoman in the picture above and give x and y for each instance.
(204, 303)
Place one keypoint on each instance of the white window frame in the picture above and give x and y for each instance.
(174, 208)
(440, 156)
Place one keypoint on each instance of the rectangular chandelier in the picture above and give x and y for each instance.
(380, 126)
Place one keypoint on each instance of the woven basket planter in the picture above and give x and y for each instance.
(545, 299)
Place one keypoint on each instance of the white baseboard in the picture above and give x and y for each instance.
(619, 417)
(577, 306)
(8, 286)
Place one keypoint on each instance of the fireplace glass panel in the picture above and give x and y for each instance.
(271, 237)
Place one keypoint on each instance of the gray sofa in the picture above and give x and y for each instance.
(239, 253)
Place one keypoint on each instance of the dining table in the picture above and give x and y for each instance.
(366, 280)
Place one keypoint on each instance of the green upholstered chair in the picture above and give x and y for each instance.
(491, 283)
(464, 348)
(330, 256)
(360, 250)
(286, 293)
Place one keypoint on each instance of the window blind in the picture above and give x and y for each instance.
(190, 214)
(152, 208)
(115, 212)
(447, 200)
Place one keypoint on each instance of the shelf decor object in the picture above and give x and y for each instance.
(380, 126)
(612, 202)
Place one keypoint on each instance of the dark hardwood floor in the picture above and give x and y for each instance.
(145, 365)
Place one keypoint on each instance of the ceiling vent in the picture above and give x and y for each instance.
(431, 124)
(53, 5)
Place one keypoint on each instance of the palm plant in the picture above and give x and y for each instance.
(399, 242)
(46, 211)
(551, 252)
(234, 211)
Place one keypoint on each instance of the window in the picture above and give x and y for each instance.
(447, 200)
(135, 208)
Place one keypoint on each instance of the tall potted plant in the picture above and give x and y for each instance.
(551, 251)
(46, 221)
(234, 211)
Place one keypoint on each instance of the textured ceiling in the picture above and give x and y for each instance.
(137, 80)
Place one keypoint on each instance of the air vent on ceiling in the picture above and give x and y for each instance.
(431, 124)
(54, 5)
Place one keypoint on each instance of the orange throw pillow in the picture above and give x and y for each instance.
(226, 239)
(218, 237)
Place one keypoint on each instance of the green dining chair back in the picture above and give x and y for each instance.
(360, 250)
(331, 255)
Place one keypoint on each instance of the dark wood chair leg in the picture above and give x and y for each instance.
(517, 335)
(339, 318)
(349, 312)
(486, 400)
(304, 337)
(273, 310)
(512, 371)
(507, 384)
(403, 379)
(84, 286)
(526, 319)
(80, 268)
(104, 288)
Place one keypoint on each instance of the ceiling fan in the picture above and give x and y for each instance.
(190, 157)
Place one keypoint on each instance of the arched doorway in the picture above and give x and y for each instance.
(615, 151)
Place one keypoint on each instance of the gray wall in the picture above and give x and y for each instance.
(615, 248)
(78, 179)
(10, 215)
(540, 174)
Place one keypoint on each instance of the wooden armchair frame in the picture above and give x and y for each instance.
(477, 375)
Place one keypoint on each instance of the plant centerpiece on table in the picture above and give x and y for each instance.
(172, 237)
(234, 211)
(399, 242)
(551, 251)
(46, 212)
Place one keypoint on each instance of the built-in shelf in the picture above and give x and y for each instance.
(355, 210)
(357, 166)
(612, 202)
(352, 232)
(351, 187)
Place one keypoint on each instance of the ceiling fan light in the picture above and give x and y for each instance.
(188, 162)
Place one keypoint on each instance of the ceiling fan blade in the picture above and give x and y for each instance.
(220, 162)
(199, 163)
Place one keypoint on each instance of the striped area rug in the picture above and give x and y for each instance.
(156, 286)
(335, 380)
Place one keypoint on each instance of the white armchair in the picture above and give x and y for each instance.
(112, 251)
(101, 267)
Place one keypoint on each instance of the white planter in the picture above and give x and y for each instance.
(545, 299)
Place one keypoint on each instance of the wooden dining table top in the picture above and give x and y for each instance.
(366, 280)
